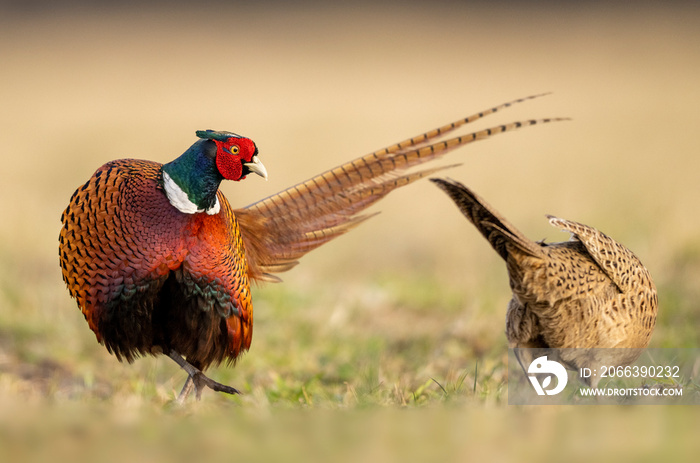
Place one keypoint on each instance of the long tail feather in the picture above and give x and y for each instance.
(278, 230)
(420, 140)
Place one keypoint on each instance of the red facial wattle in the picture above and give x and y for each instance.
(231, 154)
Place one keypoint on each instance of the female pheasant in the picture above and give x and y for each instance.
(590, 292)
(159, 262)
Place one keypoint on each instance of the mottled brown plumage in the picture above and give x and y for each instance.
(159, 262)
(590, 292)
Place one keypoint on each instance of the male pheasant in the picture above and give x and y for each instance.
(159, 262)
(590, 292)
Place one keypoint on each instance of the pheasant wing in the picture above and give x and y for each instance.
(618, 262)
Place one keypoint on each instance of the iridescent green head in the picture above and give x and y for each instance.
(192, 180)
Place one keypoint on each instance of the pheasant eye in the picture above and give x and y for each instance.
(234, 149)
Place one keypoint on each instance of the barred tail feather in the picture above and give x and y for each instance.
(285, 226)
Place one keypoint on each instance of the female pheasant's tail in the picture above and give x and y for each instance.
(496, 229)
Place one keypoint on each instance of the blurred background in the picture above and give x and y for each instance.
(412, 295)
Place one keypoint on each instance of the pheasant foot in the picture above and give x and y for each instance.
(197, 380)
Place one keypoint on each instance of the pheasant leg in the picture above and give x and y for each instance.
(197, 380)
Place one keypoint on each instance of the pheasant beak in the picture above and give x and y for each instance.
(257, 167)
